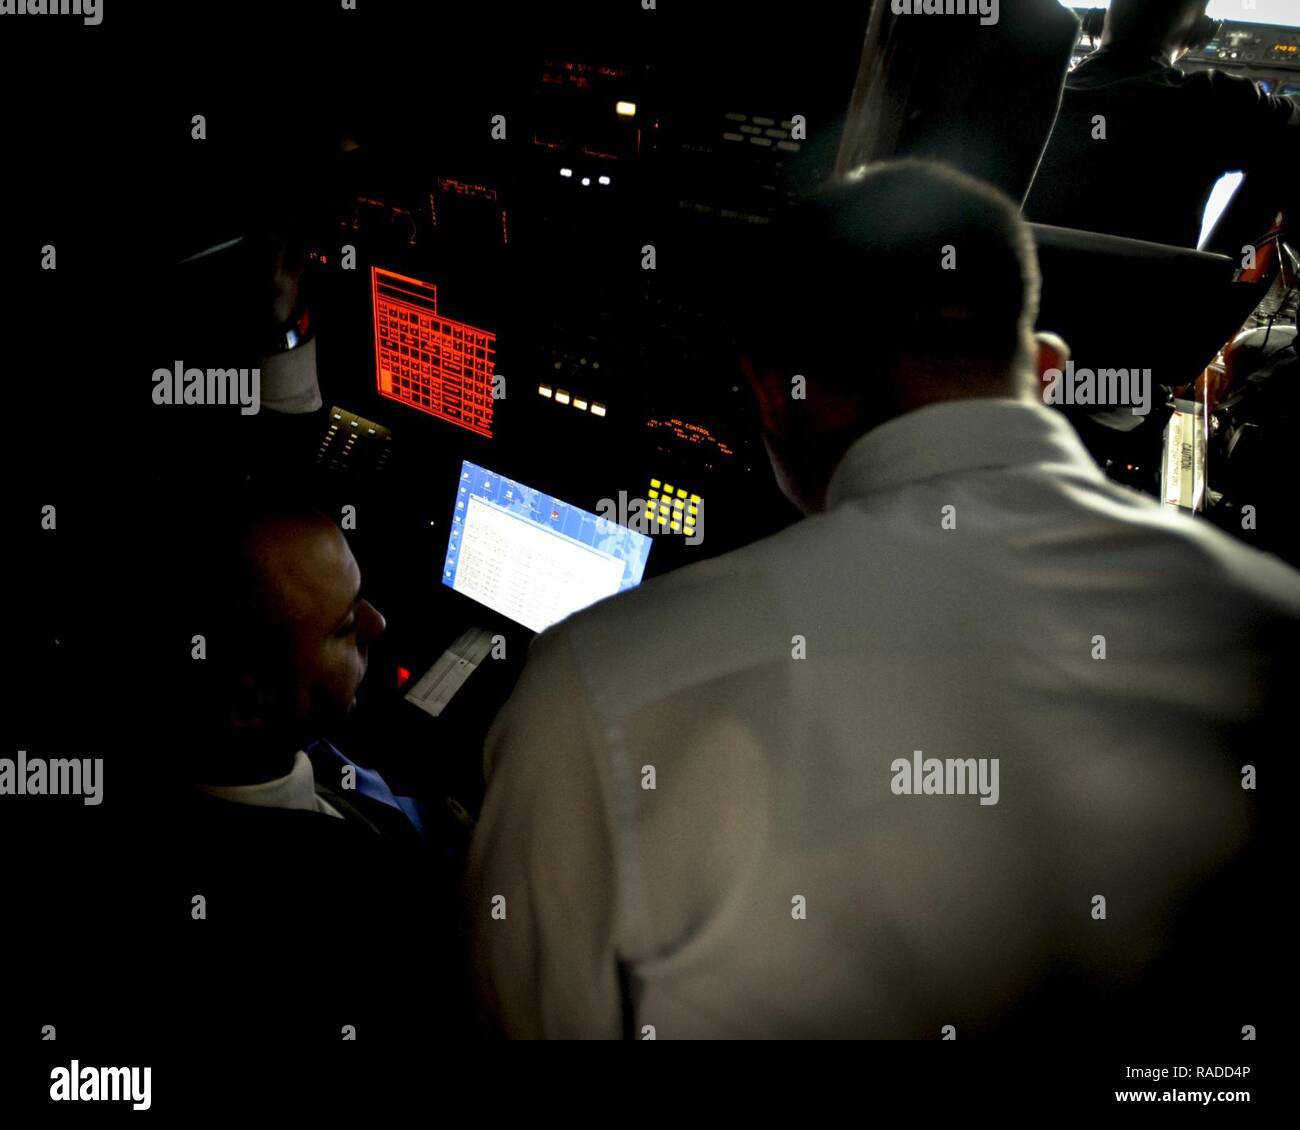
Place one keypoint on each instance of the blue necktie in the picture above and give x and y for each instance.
(369, 783)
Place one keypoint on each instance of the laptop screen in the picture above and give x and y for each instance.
(533, 557)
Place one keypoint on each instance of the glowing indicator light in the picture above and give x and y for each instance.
(674, 507)
(625, 109)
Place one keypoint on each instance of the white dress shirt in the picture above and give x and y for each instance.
(296, 789)
(773, 883)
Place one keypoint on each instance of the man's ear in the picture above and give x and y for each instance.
(1053, 353)
(769, 392)
(248, 704)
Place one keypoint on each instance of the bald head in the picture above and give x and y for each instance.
(308, 609)
(301, 568)
(274, 591)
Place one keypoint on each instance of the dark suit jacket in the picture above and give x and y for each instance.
(311, 922)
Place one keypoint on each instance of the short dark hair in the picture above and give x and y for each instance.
(905, 258)
(1149, 20)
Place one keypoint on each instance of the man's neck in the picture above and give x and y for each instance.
(1162, 51)
(244, 763)
(1019, 386)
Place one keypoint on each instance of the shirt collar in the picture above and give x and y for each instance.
(297, 789)
(1151, 53)
(955, 436)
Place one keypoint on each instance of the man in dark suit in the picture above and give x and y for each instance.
(1139, 144)
(293, 875)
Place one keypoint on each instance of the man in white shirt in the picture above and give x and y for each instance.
(963, 750)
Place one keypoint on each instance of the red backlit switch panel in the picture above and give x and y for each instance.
(428, 361)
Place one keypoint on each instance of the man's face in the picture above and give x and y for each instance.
(312, 586)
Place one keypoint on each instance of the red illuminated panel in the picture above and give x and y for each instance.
(428, 361)
(694, 434)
